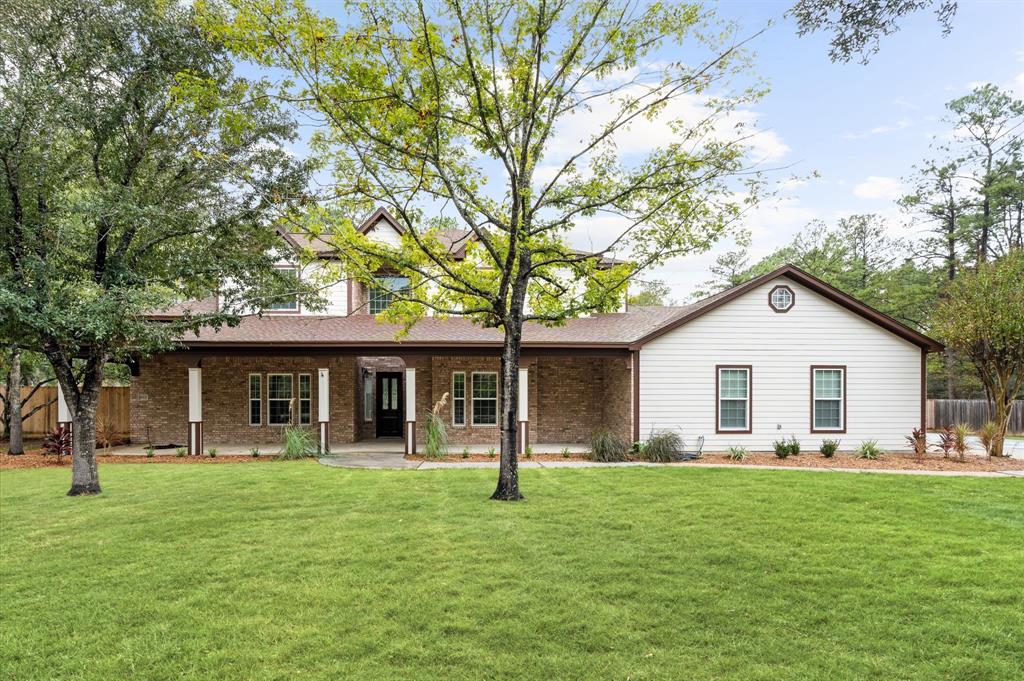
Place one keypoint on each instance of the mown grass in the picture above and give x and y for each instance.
(295, 570)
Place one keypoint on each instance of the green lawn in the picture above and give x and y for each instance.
(288, 571)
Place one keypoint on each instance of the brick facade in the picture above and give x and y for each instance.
(569, 396)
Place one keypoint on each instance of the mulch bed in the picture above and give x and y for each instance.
(900, 462)
(36, 459)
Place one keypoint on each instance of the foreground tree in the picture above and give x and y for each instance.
(507, 120)
(858, 26)
(138, 170)
(983, 318)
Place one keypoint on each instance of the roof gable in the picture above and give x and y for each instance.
(811, 282)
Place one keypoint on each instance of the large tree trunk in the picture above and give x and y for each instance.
(508, 473)
(17, 446)
(83, 402)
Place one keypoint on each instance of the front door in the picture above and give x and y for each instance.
(389, 404)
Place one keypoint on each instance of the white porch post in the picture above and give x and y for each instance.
(195, 411)
(410, 411)
(524, 406)
(323, 409)
(64, 412)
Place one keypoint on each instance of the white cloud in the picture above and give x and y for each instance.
(878, 187)
(901, 124)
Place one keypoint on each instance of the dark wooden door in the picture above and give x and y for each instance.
(389, 404)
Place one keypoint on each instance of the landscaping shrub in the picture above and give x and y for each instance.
(869, 450)
(794, 445)
(491, 452)
(254, 452)
(960, 433)
(212, 452)
(565, 452)
(437, 434)
(150, 452)
(529, 452)
(947, 440)
(828, 448)
(57, 442)
(987, 433)
(297, 443)
(784, 448)
(662, 446)
(465, 452)
(607, 446)
(918, 439)
(179, 452)
(737, 453)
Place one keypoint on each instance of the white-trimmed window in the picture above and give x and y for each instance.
(485, 398)
(288, 302)
(385, 292)
(255, 400)
(828, 401)
(459, 398)
(733, 410)
(305, 399)
(368, 397)
(279, 399)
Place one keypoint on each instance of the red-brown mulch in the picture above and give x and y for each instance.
(36, 459)
(901, 462)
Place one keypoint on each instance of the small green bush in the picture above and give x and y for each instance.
(565, 452)
(961, 432)
(662, 446)
(465, 452)
(828, 448)
(491, 453)
(781, 448)
(869, 450)
(737, 453)
(254, 452)
(150, 452)
(987, 434)
(529, 452)
(212, 452)
(606, 446)
(794, 445)
(297, 444)
(180, 452)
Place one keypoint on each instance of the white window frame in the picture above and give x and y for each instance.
(474, 399)
(841, 399)
(747, 427)
(258, 399)
(308, 400)
(291, 384)
(465, 389)
(782, 289)
(293, 307)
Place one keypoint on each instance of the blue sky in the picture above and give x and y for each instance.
(860, 128)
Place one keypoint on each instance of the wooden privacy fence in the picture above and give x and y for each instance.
(972, 412)
(114, 410)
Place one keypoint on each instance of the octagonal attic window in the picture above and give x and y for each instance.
(781, 298)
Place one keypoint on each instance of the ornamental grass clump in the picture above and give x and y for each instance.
(437, 434)
(961, 432)
(662, 446)
(988, 434)
(298, 444)
(737, 453)
(606, 446)
(869, 449)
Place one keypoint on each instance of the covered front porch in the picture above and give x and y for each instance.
(374, 400)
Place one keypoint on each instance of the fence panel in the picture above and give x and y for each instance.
(114, 408)
(972, 412)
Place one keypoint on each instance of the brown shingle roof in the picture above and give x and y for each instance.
(617, 329)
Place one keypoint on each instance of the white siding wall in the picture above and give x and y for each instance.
(677, 373)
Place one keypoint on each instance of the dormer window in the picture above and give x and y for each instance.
(385, 291)
(288, 302)
(781, 298)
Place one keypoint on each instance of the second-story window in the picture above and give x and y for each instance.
(384, 292)
(286, 302)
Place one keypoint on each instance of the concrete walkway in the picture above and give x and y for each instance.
(397, 461)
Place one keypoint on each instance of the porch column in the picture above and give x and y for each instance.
(195, 411)
(323, 409)
(410, 411)
(524, 405)
(64, 412)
